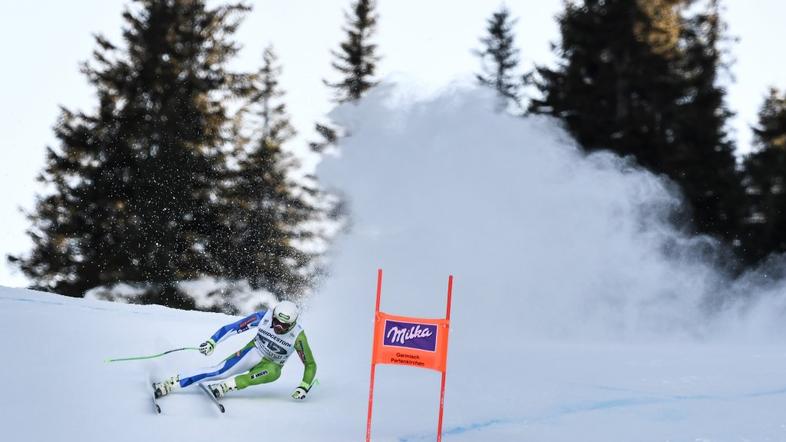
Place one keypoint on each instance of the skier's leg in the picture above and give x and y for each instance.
(238, 362)
(261, 373)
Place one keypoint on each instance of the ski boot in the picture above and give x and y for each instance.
(166, 386)
(222, 388)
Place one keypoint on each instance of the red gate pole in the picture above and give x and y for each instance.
(374, 358)
(445, 372)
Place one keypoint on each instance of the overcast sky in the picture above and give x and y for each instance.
(425, 43)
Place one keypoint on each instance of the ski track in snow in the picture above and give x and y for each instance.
(591, 406)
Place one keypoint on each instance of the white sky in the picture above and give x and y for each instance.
(427, 42)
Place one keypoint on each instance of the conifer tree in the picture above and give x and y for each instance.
(356, 61)
(328, 135)
(609, 83)
(702, 158)
(640, 78)
(500, 58)
(765, 182)
(134, 183)
(274, 217)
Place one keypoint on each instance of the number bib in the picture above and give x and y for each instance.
(273, 346)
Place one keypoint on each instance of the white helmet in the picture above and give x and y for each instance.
(284, 316)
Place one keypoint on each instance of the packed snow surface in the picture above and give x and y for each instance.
(579, 312)
(58, 387)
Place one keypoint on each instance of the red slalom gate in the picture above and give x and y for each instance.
(409, 341)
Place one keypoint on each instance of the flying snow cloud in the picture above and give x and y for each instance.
(543, 239)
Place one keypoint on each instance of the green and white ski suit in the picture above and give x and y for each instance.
(259, 361)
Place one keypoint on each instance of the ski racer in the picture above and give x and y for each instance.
(258, 362)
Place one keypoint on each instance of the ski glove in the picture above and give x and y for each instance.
(300, 392)
(207, 347)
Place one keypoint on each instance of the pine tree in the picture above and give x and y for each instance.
(274, 216)
(765, 182)
(328, 135)
(640, 78)
(500, 58)
(610, 82)
(356, 61)
(702, 159)
(134, 183)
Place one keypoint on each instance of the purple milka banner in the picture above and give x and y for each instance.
(410, 335)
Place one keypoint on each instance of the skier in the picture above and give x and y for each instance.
(259, 361)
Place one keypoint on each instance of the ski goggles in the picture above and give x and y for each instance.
(281, 327)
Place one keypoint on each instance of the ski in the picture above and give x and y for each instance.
(209, 393)
(155, 401)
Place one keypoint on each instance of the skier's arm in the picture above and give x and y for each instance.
(237, 327)
(310, 369)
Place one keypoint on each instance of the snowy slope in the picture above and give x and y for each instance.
(579, 313)
(57, 386)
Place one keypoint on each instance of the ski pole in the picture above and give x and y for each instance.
(135, 358)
